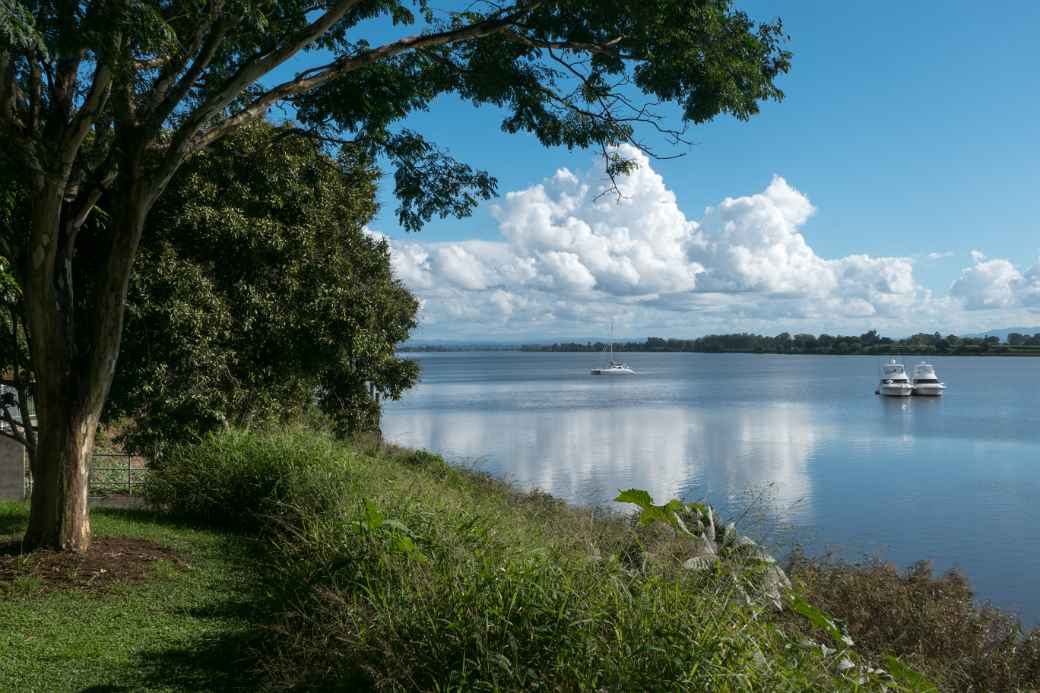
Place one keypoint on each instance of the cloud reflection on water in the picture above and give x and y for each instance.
(585, 455)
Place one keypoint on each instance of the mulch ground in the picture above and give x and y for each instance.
(108, 561)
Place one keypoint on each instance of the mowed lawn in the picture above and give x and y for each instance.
(184, 621)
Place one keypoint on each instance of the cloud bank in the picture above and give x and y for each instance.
(574, 254)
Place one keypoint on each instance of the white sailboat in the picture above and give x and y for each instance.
(615, 367)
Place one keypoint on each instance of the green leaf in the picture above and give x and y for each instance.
(912, 679)
(373, 518)
(636, 496)
(402, 544)
(820, 619)
(675, 505)
(397, 526)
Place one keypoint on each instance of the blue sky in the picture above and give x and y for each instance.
(912, 128)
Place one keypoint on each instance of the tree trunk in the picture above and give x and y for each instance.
(59, 518)
(73, 360)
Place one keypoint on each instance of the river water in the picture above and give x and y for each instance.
(798, 448)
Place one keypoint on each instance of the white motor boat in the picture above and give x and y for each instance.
(615, 368)
(925, 383)
(894, 382)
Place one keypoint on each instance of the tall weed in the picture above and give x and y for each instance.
(244, 481)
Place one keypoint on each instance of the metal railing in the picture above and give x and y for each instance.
(110, 473)
(115, 472)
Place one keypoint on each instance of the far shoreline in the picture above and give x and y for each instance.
(870, 343)
(423, 349)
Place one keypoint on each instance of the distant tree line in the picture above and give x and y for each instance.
(785, 343)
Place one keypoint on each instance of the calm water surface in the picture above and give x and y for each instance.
(798, 447)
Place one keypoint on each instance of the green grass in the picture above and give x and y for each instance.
(376, 568)
(186, 629)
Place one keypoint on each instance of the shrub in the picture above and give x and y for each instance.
(471, 611)
(250, 481)
(931, 622)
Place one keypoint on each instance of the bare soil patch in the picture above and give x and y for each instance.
(107, 562)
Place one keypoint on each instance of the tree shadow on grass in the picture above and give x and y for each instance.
(228, 660)
(224, 663)
(147, 515)
(14, 517)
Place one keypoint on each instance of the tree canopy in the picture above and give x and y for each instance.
(258, 293)
(165, 79)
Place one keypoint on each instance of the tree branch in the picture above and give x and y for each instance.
(8, 87)
(171, 67)
(609, 48)
(246, 75)
(28, 430)
(11, 124)
(168, 98)
(84, 118)
(35, 96)
(315, 77)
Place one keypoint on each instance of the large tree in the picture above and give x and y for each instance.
(110, 97)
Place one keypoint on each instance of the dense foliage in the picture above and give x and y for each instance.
(785, 343)
(258, 293)
(248, 482)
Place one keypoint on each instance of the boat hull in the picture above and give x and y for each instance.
(929, 390)
(895, 390)
(612, 371)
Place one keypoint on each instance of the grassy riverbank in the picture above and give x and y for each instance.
(348, 567)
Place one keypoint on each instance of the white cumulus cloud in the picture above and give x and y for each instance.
(573, 254)
(996, 283)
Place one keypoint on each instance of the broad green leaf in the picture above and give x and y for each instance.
(636, 496)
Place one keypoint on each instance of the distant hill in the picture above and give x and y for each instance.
(1003, 333)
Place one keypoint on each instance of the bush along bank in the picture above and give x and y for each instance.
(387, 569)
